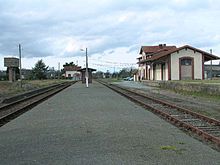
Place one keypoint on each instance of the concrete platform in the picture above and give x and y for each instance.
(97, 126)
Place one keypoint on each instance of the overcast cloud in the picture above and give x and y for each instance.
(112, 30)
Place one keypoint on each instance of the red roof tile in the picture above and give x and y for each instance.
(154, 49)
(72, 68)
(164, 52)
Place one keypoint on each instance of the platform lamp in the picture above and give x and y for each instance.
(86, 74)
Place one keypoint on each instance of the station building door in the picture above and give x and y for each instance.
(186, 69)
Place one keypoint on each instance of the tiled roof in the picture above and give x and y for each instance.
(165, 52)
(154, 49)
(72, 68)
(162, 53)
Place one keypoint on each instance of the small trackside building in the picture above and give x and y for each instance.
(83, 74)
(171, 63)
(72, 72)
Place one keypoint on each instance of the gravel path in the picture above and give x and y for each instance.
(97, 126)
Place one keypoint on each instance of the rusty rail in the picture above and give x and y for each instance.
(206, 127)
(16, 108)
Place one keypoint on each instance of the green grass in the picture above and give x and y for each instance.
(9, 88)
(42, 83)
(115, 80)
(199, 94)
(204, 94)
(173, 148)
(198, 81)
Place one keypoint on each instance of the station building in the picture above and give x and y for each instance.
(164, 62)
(72, 72)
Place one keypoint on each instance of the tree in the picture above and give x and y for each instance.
(133, 71)
(69, 64)
(39, 71)
(115, 75)
(98, 74)
(127, 72)
(107, 74)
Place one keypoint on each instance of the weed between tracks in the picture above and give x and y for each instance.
(174, 148)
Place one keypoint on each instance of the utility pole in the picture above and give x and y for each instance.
(58, 70)
(211, 64)
(87, 74)
(19, 49)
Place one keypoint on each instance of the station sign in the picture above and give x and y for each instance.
(11, 62)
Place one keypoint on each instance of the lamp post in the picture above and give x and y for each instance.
(86, 74)
(19, 50)
(211, 64)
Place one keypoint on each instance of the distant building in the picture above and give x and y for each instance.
(171, 63)
(213, 70)
(26, 73)
(51, 73)
(83, 74)
(3, 75)
(72, 72)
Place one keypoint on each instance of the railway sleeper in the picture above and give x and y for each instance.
(190, 120)
(180, 115)
(213, 131)
(209, 127)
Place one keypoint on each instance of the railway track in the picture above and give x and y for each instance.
(14, 109)
(205, 127)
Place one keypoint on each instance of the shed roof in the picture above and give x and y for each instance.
(72, 68)
(89, 69)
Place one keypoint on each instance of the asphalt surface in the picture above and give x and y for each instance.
(97, 126)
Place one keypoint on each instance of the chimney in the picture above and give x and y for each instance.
(161, 46)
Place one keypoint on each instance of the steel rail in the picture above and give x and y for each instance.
(202, 131)
(184, 110)
(7, 106)
(19, 107)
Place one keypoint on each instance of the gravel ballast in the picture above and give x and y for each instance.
(206, 106)
(97, 126)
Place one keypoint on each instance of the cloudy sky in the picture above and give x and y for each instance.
(112, 30)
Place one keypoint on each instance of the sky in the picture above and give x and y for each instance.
(113, 31)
